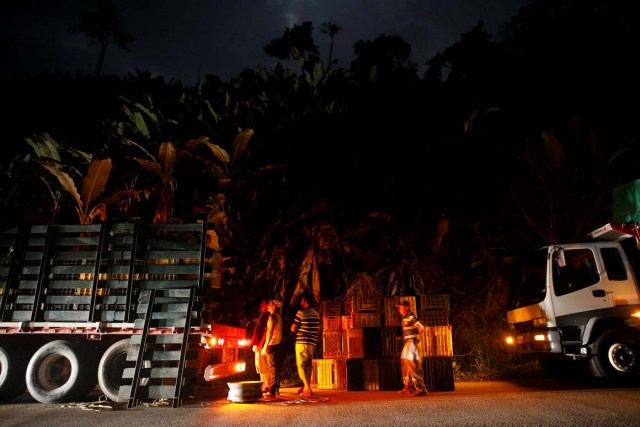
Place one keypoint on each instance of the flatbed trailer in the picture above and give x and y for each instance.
(121, 305)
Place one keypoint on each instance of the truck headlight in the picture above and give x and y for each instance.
(539, 321)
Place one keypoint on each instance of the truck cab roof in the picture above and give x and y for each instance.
(615, 232)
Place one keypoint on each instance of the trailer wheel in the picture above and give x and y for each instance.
(616, 356)
(112, 364)
(12, 370)
(61, 371)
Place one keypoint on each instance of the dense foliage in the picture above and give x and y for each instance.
(315, 175)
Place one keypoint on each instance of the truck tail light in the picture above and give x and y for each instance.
(222, 370)
(214, 342)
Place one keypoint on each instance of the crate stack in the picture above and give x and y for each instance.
(360, 349)
(330, 369)
(364, 339)
(436, 346)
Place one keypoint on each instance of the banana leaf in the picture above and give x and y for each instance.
(167, 155)
(218, 152)
(94, 183)
(240, 143)
(65, 181)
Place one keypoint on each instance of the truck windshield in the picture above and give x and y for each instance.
(529, 287)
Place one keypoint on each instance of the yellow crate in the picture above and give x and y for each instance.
(436, 341)
(329, 374)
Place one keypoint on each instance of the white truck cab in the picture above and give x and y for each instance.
(581, 302)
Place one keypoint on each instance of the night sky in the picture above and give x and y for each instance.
(178, 39)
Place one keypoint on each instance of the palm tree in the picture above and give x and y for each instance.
(104, 28)
(331, 30)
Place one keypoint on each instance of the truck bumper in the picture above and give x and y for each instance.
(532, 343)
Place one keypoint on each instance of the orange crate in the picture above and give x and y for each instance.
(365, 319)
(332, 323)
(355, 343)
(366, 303)
(346, 322)
(434, 317)
(332, 344)
(435, 302)
(331, 307)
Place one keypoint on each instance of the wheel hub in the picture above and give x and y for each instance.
(622, 357)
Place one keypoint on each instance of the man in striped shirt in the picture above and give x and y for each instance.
(410, 360)
(306, 326)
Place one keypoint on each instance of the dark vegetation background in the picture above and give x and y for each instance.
(321, 178)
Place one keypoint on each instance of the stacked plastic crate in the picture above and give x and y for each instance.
(436, 346)
(330, 371)
(364, 341)
(360, 350)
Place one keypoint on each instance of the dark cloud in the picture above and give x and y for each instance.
(179, 38)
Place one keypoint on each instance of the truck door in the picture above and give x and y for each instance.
(578, 286)
(621, 286)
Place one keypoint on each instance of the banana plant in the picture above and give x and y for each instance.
(163, 168)
(88, 206)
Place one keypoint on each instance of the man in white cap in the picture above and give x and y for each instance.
(410, 360)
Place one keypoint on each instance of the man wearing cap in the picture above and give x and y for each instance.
(410, 360)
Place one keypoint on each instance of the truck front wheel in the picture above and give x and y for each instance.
(616, 356)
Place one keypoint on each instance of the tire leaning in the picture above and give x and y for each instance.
(111, 366)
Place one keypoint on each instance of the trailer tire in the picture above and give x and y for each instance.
(12, 370)
(111, 366)
(61, 371)
(616, 356)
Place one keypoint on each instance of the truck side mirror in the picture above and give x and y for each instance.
(559, 254)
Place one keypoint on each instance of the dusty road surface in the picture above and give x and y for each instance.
(490, 403)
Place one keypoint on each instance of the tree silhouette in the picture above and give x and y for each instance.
(103, 27)
(296, 43)
(387, 56)
(331, 30)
